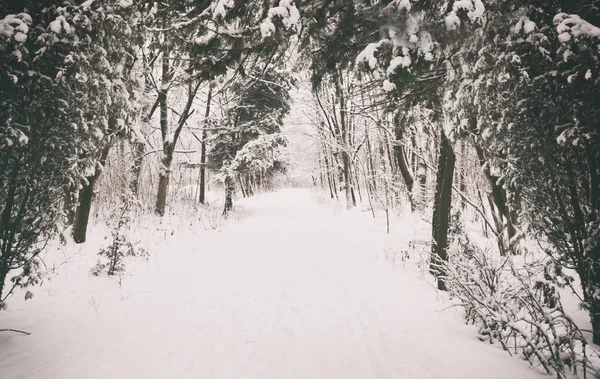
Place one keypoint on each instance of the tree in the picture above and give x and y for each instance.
(248, 141)
(112, 59)
(53, 110)
(199, 41)
(540, 132)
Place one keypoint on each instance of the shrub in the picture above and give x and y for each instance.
(517, 304)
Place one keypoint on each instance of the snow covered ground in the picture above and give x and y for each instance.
(291, 290)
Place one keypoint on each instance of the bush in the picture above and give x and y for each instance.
(121, 247)
(517, 304)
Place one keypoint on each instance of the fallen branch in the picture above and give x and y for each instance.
(15, 330)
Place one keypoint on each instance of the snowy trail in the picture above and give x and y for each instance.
(292, 291)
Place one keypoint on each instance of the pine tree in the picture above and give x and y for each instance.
(248, 142)
(53, 112)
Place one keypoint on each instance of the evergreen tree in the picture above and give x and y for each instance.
(248, 142)
(56, 104)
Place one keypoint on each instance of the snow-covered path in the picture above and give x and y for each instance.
(292, 291)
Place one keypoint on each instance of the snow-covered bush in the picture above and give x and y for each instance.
(112, 258)
(515, 302)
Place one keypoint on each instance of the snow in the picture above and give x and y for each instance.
(475, 12)
(564, 37)
(26, 18)
(463, 4)
(425, 43)
(289, 14)
(574, 25)
(219, 8)
(399, 61)
(293, 290)
(524, 24)
(368, 54)
(278, 11)
(59, 25)
(125, 3)
(529, 27)
(267, 28)
(478, 12)
(452, 21)
(86, 4)
(388, 86)
(15, 26)
(402, 4)
(475, 9)
(20, 37)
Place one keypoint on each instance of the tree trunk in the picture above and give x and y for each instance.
(350, 201)
(203, 148)
(249, 189)
(333, 170)
(371, 166)
(499, 197)
(441, 210)
(345, 136)
(422, 180)
(358, 185)
(163, 190)
(138, 149)
(8, 227)
(387, 173)
(229, 189)
(405, 173)
(170, 140)
(413, 156)
(164, 172)
(595, 312)
(328, 171)
(242, 187)
(86, 194)
(461, 175)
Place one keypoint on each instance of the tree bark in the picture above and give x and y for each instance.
(356, 178)
(350, 201)
(138, 149)
(249, 189)
(499, 196)
(203, 149)
(345, 136)
(371, 166)
(86, 194)
(229, 189)
(328, 172)
(242, 187)
(441, 210)
(405, 173)
(163, 173)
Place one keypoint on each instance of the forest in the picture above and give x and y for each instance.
(465, 133)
